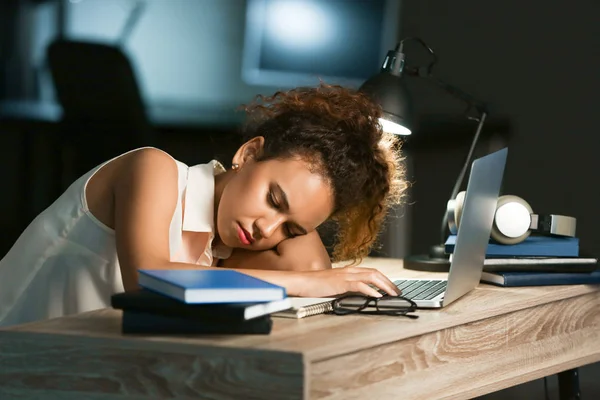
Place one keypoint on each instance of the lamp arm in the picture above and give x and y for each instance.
(394, 64)
(459, 94)
(463, 171)
(472, 103)
(453, 90)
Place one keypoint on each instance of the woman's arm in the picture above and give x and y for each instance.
(302, 253)
(145, 196)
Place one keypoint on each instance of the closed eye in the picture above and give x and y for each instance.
(280, 203)
(273, 201)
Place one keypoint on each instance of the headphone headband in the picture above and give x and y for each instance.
(552, 224)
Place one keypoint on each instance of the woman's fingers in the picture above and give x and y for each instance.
(375, 278)
(361, 287)
(381, 277)
(381, 281)
(367, 277)
(390, 287)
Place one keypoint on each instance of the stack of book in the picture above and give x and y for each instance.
(537, 261)
(200, 301)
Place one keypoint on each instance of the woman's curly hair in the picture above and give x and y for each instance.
(337, 130)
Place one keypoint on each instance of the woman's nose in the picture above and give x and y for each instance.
(268, 226)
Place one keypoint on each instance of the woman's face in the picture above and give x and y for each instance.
(265, 202)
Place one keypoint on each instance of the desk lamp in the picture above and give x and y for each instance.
(389, 90)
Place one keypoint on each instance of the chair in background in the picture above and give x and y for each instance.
(103, 111)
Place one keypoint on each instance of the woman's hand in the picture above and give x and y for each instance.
(337, 281)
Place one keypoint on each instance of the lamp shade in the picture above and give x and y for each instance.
(390, 92)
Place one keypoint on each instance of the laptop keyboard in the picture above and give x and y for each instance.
(421, 289)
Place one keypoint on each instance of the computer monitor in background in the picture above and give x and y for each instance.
(292, 43)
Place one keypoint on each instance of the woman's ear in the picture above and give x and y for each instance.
(249, 151)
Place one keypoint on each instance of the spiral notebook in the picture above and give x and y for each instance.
(306, 306)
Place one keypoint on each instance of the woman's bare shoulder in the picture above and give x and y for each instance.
(149, 158)
(146, 167)
(138, 164)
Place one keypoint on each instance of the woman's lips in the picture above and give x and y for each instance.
(244, 236)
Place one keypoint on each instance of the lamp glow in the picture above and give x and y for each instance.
(394, 128)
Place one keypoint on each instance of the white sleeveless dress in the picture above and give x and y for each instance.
(65, 262)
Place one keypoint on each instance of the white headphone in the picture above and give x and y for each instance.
(514, 220)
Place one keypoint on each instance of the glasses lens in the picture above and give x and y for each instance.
(353, 302)
(394, 302)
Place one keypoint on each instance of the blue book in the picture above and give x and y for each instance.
(533, 246)
(210, 286)
(513, 279)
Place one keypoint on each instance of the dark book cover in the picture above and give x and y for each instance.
(515, 279)
(143, 300)
(136, 322)
(558, 267)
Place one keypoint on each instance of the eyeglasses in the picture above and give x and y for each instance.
(385, 305)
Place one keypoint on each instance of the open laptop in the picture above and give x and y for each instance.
(472, 238)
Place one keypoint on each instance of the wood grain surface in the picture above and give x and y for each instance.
(79, 366)
(469, 360)
(490, 339)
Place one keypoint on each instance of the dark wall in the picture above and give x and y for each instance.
(536, 64)
(8, 30)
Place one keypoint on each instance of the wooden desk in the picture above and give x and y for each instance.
(490, 339)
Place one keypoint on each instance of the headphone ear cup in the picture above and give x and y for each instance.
(511, 220)
(454, 212)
